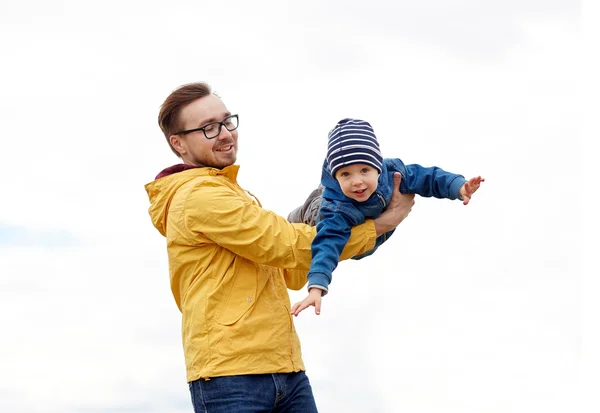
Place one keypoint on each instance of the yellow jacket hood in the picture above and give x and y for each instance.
(167, 183)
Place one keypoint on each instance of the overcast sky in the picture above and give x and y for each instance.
(466, 309)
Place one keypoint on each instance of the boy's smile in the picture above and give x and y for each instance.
(358, 181)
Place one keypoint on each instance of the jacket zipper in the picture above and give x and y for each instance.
(384, 235)
(382, 199)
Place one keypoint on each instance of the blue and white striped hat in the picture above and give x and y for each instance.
(352, 141)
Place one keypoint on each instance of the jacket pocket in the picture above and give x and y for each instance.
(239, 294)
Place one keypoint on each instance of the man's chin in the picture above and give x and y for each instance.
(228, 161)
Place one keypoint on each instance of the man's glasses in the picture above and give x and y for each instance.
(213, 129)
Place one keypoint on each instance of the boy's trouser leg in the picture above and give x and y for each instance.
(308, 212)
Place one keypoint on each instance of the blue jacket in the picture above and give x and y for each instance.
(338, 213)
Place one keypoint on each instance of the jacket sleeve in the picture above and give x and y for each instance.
(431, 182)
(215, 213)
(333, 232)
(295, 279)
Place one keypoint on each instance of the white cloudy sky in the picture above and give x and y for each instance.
(466, 309)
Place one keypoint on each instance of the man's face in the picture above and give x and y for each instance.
(358, 181)
(218, 152)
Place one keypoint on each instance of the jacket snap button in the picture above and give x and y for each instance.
(249, 299)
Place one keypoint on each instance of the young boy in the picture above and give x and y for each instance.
(356, 183)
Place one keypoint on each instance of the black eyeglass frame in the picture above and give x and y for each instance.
(221, 124)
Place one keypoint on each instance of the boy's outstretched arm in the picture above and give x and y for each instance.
(469, 188)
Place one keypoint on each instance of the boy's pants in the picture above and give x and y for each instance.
(254, 393)
(308, 212)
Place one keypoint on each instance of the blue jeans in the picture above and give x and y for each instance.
(256, 393)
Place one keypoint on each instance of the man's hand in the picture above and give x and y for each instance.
(397, 210)
(469, 188)
(314, 299)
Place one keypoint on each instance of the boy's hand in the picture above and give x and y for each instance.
(314, 299)
(469, 188)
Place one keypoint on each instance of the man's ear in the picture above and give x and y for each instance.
(177, 143)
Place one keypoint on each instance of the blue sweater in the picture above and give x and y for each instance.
(338, 213)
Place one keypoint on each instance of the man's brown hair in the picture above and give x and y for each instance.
(170, 110)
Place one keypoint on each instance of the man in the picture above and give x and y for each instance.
(231, 262)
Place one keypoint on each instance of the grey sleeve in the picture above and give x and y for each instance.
(308, 212)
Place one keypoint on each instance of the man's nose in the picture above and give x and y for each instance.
(224, 133)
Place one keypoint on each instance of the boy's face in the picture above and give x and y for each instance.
(358, 181)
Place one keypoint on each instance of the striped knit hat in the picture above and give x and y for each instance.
(352, 141)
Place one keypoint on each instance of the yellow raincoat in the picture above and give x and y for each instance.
(230, 264)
